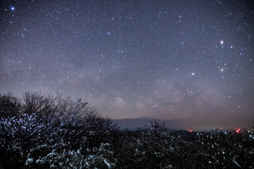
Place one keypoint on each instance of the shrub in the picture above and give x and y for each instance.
(43, 125)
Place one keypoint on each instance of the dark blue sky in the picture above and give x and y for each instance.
(133, 58)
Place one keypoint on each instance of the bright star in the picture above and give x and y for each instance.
(221, 42)
(221, 70)
(12, 8)
(192, 74)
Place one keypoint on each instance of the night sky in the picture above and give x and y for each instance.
(133, 58)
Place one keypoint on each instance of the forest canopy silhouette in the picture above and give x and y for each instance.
(55, 132)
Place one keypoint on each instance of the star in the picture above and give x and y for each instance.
(107, 50)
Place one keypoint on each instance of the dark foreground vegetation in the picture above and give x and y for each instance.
(47, 132)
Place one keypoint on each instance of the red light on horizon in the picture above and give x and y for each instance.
(191, 131)
(238, 130)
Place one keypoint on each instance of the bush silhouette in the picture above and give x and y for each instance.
(9, 106)
(37, 125)
(56, 132)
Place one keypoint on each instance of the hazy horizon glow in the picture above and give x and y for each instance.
(138, 58)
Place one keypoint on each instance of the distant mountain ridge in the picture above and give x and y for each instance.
(178, 124)
(136, 123)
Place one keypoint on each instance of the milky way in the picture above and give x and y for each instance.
(133, 58)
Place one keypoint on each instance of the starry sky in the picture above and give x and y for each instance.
(165, 59)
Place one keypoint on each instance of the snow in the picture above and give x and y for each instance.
(70, 143)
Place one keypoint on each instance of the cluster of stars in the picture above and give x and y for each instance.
(132, 59)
